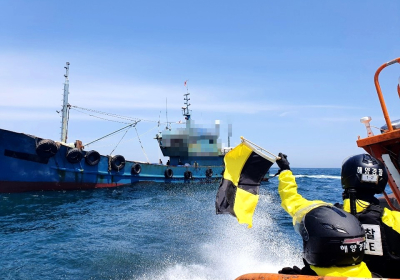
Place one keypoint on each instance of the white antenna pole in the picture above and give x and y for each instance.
(166, 111)
(229, 134)
(64, 121)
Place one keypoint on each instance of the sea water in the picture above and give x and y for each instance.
(151, 231)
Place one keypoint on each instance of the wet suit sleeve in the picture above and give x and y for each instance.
(391, 219)
(291, 200)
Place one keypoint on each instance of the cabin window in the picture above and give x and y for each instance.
(211, 141)
(176, 142)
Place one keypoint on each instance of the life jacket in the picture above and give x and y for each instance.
(382, 254)
(355, 271)
(360, 271)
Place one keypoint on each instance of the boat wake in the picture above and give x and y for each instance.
(233, 249)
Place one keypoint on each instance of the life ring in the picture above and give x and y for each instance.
(92, 158)
(168, 173)
(74, 155)
(209, 173)
(188, 175)
(136, 169)
(46, 148)
(117, 162)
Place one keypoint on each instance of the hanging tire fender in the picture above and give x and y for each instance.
(168, 173)
(92, 158)
(188, 175)
(46, 148)
(74, 155)
(209, 173)
(117, 162)
(136, 169)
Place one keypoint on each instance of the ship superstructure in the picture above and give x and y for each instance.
(193, 143)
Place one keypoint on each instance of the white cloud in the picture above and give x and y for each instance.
(283, 114)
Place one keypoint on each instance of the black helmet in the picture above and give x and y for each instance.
(332, 237)
(364, 173)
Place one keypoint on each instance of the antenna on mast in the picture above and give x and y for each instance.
(185, 109)
(166, 112)
(65, 107)
(159, 121)
(229, 134)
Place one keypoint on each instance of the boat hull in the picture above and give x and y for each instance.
(22, 169)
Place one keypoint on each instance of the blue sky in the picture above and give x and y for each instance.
(291, 76)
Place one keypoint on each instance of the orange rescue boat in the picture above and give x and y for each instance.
(385, 146)
(274, 276)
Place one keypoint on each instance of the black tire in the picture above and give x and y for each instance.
(188, 175)
(209, 173)
(46, 148)
(168, 173)
(92, 158)
(117, 162)
(136, 169)
(74, 155)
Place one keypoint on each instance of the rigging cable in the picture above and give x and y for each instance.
(121, 139)
(111, 114)
(133, 124)
(141, 145)
(100, 117)
(117, 116)
(124, 141)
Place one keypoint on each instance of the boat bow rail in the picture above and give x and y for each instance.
(274, 276)
(385, 146)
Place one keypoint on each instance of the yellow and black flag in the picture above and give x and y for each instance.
(245, 167)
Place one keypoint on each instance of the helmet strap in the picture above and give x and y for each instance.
(352, 197)
(345, 195)
(368, 196)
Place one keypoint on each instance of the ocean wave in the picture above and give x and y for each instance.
(318, 176)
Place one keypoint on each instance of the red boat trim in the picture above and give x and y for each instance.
(17, 187)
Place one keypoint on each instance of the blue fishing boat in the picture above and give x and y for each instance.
(31, 163)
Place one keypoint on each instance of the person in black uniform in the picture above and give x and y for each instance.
(362, 177)
(333, 240)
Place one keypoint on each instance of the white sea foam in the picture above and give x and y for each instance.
(234, 250)
(318, 176)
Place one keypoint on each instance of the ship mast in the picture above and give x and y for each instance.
(64, 121)
(186, 111)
